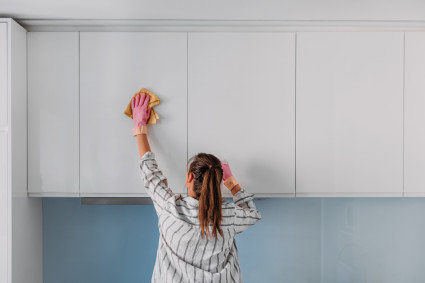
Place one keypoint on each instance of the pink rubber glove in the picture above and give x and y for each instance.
(228, 178)
(140, 111)
(226, 169)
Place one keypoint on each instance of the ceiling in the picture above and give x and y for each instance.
(388, 10)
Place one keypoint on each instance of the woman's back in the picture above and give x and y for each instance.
(190, 255)
(187, 255)
(183, 254)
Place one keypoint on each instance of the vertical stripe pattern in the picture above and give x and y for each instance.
(183, 255)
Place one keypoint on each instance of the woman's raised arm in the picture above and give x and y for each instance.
(155, 183)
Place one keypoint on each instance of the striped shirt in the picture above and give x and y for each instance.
(183, 255)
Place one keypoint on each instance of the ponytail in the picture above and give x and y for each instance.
(210, 203)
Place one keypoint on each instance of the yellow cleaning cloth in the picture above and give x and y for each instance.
(154, 100)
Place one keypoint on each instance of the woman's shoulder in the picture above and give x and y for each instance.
(185, 209)
(190, 205)
(183, 205)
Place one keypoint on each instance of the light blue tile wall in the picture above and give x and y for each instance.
(299, 240)
(373, 240)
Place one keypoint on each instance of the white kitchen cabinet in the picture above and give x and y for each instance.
(349, 113)
(114, 66)
(20, 216)
(4, 198)
(3, 76)
(53, 113)
(4, 201)
(414, 118)
(241, 106)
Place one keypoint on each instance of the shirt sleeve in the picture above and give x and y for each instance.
(156, 184)
(246, 213)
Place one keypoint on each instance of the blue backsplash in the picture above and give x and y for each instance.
(298, 240)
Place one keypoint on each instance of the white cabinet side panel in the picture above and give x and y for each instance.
(53, 109)
(114, 66)
(26, 215)
(3, 75)
(349, 109)
(4, 206)
(414, 141)
(17, 101)
(241, 105)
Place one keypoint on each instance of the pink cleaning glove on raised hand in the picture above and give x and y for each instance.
(226, 169)
(228, 178)
(140, 111)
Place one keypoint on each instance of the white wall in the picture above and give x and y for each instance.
(216, 10)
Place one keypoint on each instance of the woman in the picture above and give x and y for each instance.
(197, 232)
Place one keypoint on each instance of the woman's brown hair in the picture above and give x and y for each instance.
(208, 173)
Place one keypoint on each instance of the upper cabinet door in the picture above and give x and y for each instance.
(349, 113)
(114, 66)
(414, 142)
(53, 130)
(241, 104)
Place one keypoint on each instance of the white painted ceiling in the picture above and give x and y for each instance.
(404, 10)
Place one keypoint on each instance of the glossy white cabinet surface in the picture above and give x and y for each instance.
(20, 216)
(414, 123)
(241, 106)
(114, 66)
(4, 204)
(53, 113)
(349, 113)
(3, 75)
